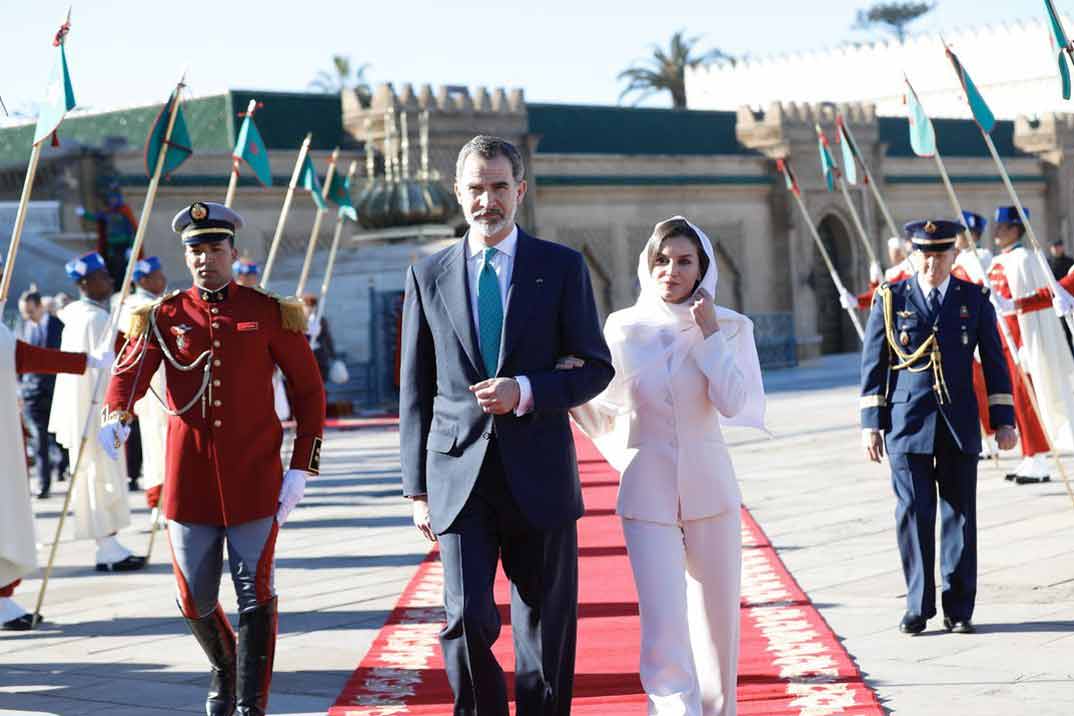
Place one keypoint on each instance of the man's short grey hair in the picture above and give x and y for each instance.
(490, 148)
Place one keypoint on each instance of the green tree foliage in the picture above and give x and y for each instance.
(665, 70)
(343, 76)
(894, 17)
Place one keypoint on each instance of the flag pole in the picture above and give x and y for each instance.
(792, 187)
(233, 182)
(311, 246)
(20, 221)
(24, 200)
(113, 327)
(862, 233)
(1004, 329)
(284, 211)
(340, 221)
(872, 185)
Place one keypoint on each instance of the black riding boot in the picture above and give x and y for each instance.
(257, 646)
(217, 640)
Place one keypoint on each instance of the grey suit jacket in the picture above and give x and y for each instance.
(443, 433)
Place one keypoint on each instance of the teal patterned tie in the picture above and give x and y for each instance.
(489, 313)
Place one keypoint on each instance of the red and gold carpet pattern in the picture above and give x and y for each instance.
(791, 662)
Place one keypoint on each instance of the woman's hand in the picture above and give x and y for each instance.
(569, 363)
(704, 312)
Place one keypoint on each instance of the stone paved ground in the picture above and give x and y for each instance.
(114, 644)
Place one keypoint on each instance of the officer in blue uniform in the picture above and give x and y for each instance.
(917, 401)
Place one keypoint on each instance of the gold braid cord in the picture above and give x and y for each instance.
(925, 357)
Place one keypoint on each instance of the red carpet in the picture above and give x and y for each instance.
(791, 662)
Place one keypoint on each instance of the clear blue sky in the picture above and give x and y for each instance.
(126, 52)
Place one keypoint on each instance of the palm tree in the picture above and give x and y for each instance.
(667, 70)
(342, 77)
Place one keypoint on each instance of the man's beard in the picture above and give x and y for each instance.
(487, 229)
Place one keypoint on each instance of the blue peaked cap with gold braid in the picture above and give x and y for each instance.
(933, 235)
(206, 221)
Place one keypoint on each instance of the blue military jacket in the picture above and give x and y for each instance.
(904, 402)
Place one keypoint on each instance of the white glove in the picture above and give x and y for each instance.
(1063, 303)
(101, 360)
(112, 435)
(847, 300)
(80, 211)
(294, 487)
(876, 274)
(1006, 305)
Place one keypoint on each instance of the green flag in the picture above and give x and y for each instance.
(339, 193)
(1060, 45)
(179, 146)
(309, 181)
(250, 148)
(60, 96)
(827, 163)
(981, 113)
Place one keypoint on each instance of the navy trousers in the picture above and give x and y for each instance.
(543, 569)
(35, 414)
(918, 479)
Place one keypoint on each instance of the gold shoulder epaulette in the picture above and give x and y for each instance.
(292, 317)
(140, 315)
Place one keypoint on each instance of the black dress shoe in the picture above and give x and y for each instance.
(1010, 477)
(1031, 480)
(24, 623)
(912, 623)
(43, 495)
(958, 626)
(131, 563)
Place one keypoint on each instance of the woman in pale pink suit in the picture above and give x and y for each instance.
(683, 367)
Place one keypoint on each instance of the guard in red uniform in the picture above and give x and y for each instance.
(224, 482)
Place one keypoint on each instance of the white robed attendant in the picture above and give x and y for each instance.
(99, 501)
(1044, 351)
(18, 550)
(683, 368)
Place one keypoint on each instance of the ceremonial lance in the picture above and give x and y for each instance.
(60, 98)
(792, 186)
(299, 163)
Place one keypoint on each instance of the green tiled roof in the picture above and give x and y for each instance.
(586, 129)
(954, 137)
(283, 121)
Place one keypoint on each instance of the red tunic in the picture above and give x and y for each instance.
(1033, 438)
(31, 359)
(223, 454)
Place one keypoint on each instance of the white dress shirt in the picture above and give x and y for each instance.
(942, 288)
(503, 263)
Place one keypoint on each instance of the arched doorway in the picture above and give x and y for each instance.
(834, 326)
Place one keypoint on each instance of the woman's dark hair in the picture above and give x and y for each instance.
(671, 229)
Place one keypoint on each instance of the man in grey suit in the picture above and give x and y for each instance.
(487, 454)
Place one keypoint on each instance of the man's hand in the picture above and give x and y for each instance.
(1063, 303)
(847, 300)
(112, 435)
(422, 520)
(569, 363)
(498, 396)
(876, 274)
(873, 442)
(294, 487)
(1006, 437)
(101, 360)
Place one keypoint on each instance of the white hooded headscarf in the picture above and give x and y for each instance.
(655, 330)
